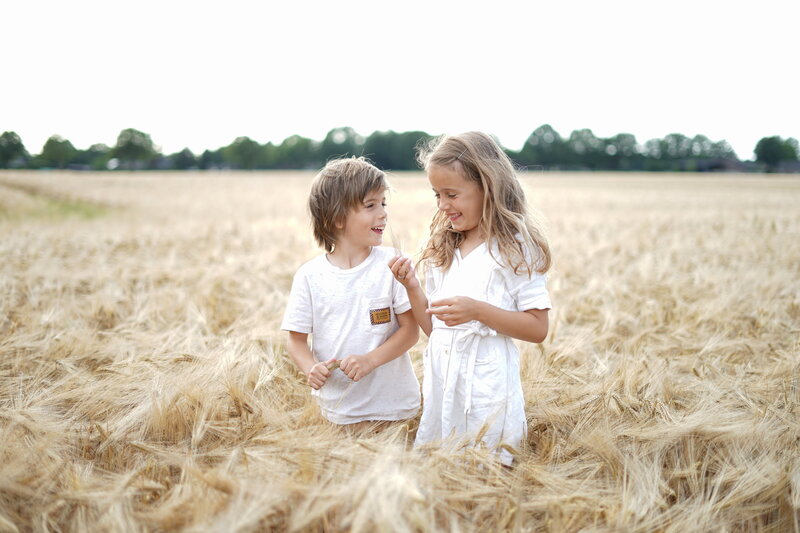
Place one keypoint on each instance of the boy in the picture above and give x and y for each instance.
(358, 315)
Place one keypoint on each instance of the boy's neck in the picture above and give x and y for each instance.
(345, 256)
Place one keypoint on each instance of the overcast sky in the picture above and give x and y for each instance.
(198, 74)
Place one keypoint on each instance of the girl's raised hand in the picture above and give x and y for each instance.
(454, 311)
(403, 271)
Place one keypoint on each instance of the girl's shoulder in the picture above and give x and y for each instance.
(526, 256)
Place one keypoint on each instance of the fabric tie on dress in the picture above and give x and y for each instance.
(466, 342)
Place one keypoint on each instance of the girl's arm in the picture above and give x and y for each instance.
(403, 272)
(357, 367)
(530, 325)
(316, 372)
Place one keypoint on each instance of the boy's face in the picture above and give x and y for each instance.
(364, 225)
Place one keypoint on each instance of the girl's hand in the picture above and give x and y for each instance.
(456, 310)
(403, 271)
(320, 372)
(356, 367)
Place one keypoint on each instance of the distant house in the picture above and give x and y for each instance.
(788, 167)
(718, 164)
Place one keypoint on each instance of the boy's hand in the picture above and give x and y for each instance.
(454, 311)
(403, 271)
(356, 367)
(320, 372)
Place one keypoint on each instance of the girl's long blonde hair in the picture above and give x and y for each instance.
(505, 219)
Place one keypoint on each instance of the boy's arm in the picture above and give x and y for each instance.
(357, 367)
(316, 373)
(404, 273)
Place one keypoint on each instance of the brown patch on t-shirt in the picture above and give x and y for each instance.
(380, 316)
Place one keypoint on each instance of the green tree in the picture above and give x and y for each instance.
(793, 147)
(182, 160)
(57, 152)
(297, 152)
(242, 153)
(390, 150)
(544, 147)
(341, 142)
(12, 152)
(134, 149)
(586, 150)
(211, 159)
(98, 155)
(771, 151)
(624, 152)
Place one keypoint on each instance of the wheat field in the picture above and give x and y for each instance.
(145, 384)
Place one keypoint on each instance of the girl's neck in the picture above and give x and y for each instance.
(346, 256)
(472, 240)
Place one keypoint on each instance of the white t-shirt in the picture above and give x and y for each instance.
(351, 312)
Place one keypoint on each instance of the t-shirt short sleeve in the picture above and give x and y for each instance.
(529, 293)
(299, 315)
(400, 301)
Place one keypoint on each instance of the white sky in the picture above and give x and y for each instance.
(199, 74)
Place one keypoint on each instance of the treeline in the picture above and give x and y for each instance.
(544, 149)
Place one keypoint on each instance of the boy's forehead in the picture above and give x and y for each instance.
(380, 192)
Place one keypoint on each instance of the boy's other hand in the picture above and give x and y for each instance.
(356, 367)
(403, 271)
(320, 372)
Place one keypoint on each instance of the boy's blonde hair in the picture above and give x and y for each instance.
(339, 188)
(505, 219)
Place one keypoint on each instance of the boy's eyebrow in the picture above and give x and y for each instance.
(373, 199)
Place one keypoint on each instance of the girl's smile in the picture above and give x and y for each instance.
(460, 199)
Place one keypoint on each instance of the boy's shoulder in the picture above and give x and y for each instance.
(384, 253)
(312, 265)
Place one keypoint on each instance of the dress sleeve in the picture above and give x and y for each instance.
(298, 315)
(430, 281)
(528, 293)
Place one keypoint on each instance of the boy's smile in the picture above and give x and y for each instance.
(364, 225)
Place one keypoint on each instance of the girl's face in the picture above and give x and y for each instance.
(461, 199)
(364, 225)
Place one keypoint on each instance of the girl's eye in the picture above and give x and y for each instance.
(383, 204)
(451, 196)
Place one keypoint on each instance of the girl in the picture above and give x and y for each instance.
(485, 284)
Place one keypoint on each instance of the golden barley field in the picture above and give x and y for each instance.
(145, 385)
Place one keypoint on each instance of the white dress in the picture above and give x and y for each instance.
(471, 372)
